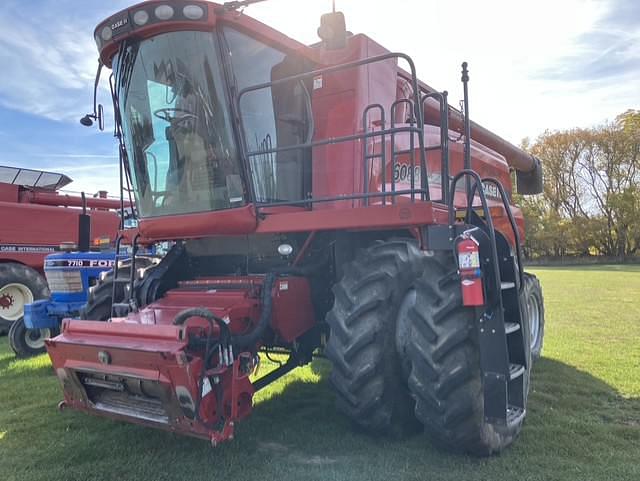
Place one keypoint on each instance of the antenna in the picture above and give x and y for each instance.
(334, 5)
(467, 122)
(235, 5)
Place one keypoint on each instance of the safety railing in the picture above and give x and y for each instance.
(414, 128)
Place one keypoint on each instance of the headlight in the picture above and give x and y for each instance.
(106, 33)
(164, 12)
(140, 18)
(193, 12)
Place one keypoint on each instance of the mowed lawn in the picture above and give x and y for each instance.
(583, 422)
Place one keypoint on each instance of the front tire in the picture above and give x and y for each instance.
(367, 376)
(28, 342)
(445, 377)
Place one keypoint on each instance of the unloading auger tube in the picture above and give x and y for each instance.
(528, 167)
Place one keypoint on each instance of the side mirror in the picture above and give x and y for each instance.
(88, 119)
(100, 117)
(333, 30)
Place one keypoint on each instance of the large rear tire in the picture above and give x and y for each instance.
(19, 285)
(28, 342)
(534, 306)
(445, 377)
(367, 376)
(98, 306)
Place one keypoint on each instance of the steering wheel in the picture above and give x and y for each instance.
(173, 115)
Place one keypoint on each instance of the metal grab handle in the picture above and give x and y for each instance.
(512, 221)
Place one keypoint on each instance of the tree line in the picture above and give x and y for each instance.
(591, 200)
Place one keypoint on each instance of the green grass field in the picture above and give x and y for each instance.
(583, 422)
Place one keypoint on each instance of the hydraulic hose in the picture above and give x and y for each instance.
(183, 316)
(225, 335)
(251, 338)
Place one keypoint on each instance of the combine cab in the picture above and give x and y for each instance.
(319, 198)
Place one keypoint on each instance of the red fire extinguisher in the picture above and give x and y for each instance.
(468, 251)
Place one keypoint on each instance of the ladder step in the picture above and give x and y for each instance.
(122, 280)
(515, 371)
(514, 413)
(507, 285)
(121, 304)
(511, 327)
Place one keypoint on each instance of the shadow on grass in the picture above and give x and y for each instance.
(296, 433)
(573, 393)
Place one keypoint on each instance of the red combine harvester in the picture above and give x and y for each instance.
(319, 197)
(37, 219)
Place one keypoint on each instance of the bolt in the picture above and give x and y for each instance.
(493, 331)
(481, 329)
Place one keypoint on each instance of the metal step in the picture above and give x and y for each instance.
(511, 327)
(515, 371)
(120, 309)
(507, 285)
(514, 414)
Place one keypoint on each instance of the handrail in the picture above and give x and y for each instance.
(442, 97)
(418, 129)
(512, 222)
(365, 149)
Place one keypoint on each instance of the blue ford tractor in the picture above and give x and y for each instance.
(70, 275)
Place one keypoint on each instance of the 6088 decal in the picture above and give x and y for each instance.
(402, 173)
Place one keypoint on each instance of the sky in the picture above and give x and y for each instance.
(534, 66)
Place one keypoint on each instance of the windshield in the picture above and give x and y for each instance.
(274, 117)
(176, 125)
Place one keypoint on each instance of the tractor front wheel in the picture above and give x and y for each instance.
(443, 354)
(28, 342)
(367, 375)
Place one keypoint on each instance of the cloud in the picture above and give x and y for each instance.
(609, 51)
(49, 57)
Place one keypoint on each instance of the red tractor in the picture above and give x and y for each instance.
(36, 219)
(320, 198)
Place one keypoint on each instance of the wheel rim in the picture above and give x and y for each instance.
(34, 338)
(534, 319)
(13, 298)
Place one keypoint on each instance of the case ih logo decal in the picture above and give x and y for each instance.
(119, 23)
(27, 249)
(491, 190)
